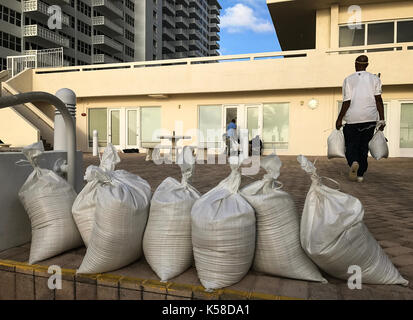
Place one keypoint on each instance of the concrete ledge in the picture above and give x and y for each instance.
(20, 280)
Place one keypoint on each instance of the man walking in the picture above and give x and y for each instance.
(362, 110)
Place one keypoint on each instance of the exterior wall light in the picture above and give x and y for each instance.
(313, 104)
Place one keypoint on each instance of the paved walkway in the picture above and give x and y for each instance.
(387, 195)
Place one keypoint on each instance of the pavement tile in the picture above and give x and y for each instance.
(398, 251)
(403, 260)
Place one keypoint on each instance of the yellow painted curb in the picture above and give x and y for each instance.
(169, 287)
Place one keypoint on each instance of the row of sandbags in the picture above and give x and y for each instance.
(226, 230)
(377, 145)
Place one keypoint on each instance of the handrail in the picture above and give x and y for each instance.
(30, 97)
(245, 57)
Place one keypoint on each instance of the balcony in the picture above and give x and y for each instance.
(195, 53)
(195, 34)
(168, 47)
(181, 45)
(214, 9)
(169, 20)
(194, 13)
(102, 58)
(194, 45)
(214, 27)
(184, 2)
(168, 34)
(213, 45)
(106, 26)
(213, 18)
(44, 36)
(181, 34)
(107, 44)
(181, 10)
(214, 36)
(38, 10)
(168, 7)
(107, 8)
(181, 55)
(181, 22)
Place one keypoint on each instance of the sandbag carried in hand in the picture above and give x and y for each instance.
(278, 250)
(121, 212)
(378, 145)
(336, 145)
(223, 234)
(334, 236)
(84, 207)
(48, 199)
(167, 243)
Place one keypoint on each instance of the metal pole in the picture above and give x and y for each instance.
(27, 97)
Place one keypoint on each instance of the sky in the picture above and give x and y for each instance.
(246, 27)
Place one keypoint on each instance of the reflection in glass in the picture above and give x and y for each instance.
(150, 123)
(252, 122)
(405, 31)
(350, 37)
(276, 125)
(380, 33)
(98, 121)
(132, 127)
(210, 124)
(115, 127)
(406, 125)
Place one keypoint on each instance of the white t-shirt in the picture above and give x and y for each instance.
(361, 88)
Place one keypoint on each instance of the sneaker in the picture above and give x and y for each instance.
(360, 179)
(353, 171)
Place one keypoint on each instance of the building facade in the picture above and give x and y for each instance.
(291, 99)
(110, 31)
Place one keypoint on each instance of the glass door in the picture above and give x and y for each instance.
(406, 130)
(114, 127)
(254, 121)
(132, 128)
(150, 124)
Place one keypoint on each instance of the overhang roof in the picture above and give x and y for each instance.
(295, 20)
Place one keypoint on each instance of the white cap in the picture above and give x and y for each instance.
(67, 96)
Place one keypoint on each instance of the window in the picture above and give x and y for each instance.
(150, 123)
(405, 31)
(380, 33)
(276, 125)
(352, 37)
(406, 125)
(98, 121)
(210, 124)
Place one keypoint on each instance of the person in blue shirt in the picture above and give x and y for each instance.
(231, 133)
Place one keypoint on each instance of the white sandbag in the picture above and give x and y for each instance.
(223, 234)
(278, 250)
(48, 199)
(336, 145)
(84, 207)
(334, 236)
(121, 212)
(378, 146)
(167, 243)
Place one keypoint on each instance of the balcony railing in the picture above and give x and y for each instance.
(195, 34)
(195, 53)
(405, 48)
(214, 9)
(168, 46)
(167, 6)
(102, 21)
(214, 18)
(193, 12)
(214, 36)
(37, 6)
(214, 27)
(182, 34)
(169, 20)
(35, 30)
(109, 43)
(102, 58)
(213, 45)
(179, 8)
(181, 21)
(181, 44)
(108, 8)
(168, 33)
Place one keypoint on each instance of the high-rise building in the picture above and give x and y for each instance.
(110, 31)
